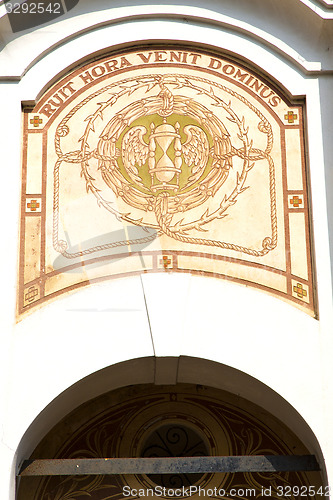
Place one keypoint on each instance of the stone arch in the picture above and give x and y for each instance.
(146, 377)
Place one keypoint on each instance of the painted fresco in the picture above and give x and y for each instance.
(164, 160)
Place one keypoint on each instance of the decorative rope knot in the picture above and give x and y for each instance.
(268, 244)
(167, 102)
(62, 246)
(62, 130)
(74, 157)
(264, 127)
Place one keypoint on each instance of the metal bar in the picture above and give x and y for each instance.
(166, 465)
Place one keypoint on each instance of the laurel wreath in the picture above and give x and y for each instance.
(159, 204)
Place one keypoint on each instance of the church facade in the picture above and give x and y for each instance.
(167, 249)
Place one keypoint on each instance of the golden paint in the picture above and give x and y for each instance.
(166, 152)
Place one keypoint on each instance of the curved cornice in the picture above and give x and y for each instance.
(323, 8)
(34, 46)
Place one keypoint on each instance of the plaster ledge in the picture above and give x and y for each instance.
(36, 50)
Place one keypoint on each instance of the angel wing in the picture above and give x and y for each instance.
(107, 151)
(219, 152)
(134, 151)
(195, 150)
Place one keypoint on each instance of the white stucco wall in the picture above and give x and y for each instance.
(169, 315)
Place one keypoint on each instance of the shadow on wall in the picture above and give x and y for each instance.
(29, 14)
(116, 245)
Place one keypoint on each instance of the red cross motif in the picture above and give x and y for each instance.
(33, 205)
(290, 117)
(296, 201)
(31, 294)
(36, 121)
(165, 261)
(299, 290)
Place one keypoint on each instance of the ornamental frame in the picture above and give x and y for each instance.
(164, 230)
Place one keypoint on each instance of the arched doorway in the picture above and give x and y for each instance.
(180, 420)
